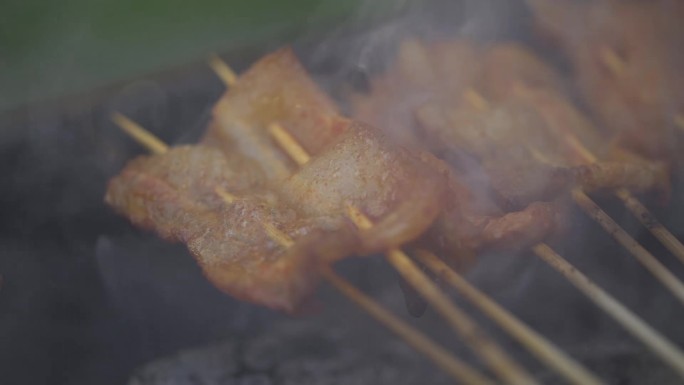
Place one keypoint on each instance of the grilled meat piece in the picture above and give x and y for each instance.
(528, 148)
(419, 74)
(627, 59)
(426, 72)
(174, 194)
(471, 222)
(510, 136)
(276, 89)
(511, 116)
(397, 190)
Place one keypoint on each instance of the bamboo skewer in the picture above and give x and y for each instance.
(483, 346)
(442, 358)
(505, 368)
(649, 221)
(544, 350)
(222, 70)
(419, 341)
(642, 255)
(653, 340)
(612, 61)
(661, 346)
(456, 368)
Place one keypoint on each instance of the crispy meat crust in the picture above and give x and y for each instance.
(174, 195)
(626, 60)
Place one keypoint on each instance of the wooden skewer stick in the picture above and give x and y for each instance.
(642, 255)
(679, 121)
(225, 195)
(505, 368)
(222, 70)
(658, 344)
(637, 327)
(436, 353)
(483, 346)
(636, 207)
(457, 369)
(543, 349)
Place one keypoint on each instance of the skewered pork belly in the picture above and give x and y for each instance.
(509, 135)
(175, 195)
(181, 193)
(509, 116)
(276, 89)
(626, 58)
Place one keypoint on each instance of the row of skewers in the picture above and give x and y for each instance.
(476, 147)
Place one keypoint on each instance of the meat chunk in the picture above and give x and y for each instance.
(179, 195)
(420, 73)
(276, 89)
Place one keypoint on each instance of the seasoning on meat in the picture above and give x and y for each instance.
(274, 89)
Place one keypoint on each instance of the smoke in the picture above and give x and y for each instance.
(85, 295)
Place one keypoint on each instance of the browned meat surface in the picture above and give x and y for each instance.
(175, 194)
(508, 113)
(276, 89)
(396, 189)
(627, 60)
(471, 222)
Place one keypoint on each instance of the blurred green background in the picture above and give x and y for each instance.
(54, 48)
